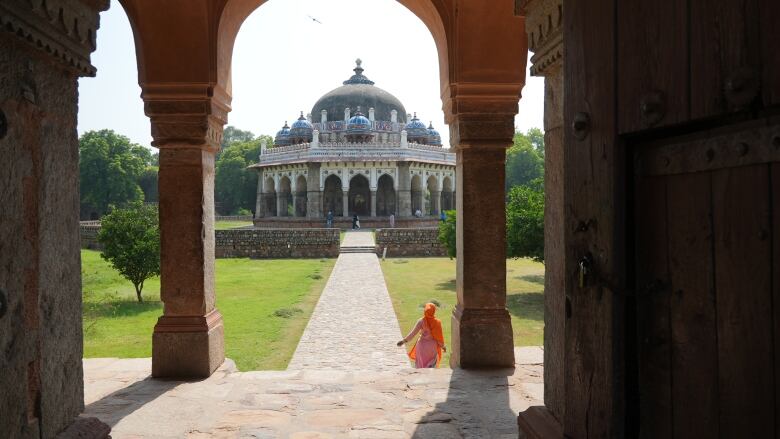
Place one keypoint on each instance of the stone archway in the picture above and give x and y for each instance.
(447, 202)
(269, 197)
(301, 198)
(417, 194)
(385, 196)
(284, 197)
(359, 196)
(332, 196)
(432, 194)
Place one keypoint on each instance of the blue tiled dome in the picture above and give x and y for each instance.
(434, 138)
(301, 130)
(283, 136)
(416, 129)
(358, 123)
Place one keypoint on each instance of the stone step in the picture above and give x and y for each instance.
(356, 249)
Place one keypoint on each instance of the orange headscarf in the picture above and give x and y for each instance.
(434, 325)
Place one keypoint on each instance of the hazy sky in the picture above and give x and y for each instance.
(284, 61)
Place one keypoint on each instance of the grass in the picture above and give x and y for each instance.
(265, 306)
(413, 282)
(224, 225)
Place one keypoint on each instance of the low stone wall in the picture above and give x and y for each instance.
(88, 231)
(277, 243)
(343, 223)
(233, 218)
(409, 242)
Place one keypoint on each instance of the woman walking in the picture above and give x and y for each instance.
(427, 352)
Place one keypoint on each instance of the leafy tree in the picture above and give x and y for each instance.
(447, 233)
(148, 183)
(525, 221)
(236, 186)
(525, 159)
(131, 240)
(232, 135)
(109, 167)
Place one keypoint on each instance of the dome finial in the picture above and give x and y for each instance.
(358, 77)
(301, 118)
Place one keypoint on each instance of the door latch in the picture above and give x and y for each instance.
(585, 264)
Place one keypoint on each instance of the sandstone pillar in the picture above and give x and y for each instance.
(373, 203)
(188, 338)
(313, 192)
(481, 326)
(436, 199)
(345, 201)
(547, 61)
(404, 193)
(44, 49)
(260, 201)
(281, 204)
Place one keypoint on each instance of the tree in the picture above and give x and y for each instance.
(131, 240)
(148, 183)
(109, 169)
(525, 159)
(232, 134)
(235, 185)
(447, 233)
(525, 221)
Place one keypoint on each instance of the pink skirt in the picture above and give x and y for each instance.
(426, 354)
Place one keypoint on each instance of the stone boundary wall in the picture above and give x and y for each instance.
(254, 243)
(277, 243)
(233, 218)
(88, 233)
(343, 223)
(409, 242)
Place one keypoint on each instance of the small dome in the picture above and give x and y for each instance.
(283, 136)
(358, 123)
(301, 130)
(434, 138)
(416, 130)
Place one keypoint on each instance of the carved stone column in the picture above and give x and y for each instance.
(313, 193)
(373, 203)
(404, 196)
(545, 37)
(345, 201)
(44, 48)
(260, 201)
(481, 326)
(187, 125)
(436, 202)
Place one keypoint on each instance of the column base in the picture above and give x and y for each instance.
(86, 428)
(482, 338)
(538, 423)
(188, 346)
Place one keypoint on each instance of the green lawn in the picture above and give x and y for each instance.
(250, 294)
(414, 281)
(224, 225)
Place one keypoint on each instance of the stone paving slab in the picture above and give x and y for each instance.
(358, 238)
(353, 325)
(407, 403)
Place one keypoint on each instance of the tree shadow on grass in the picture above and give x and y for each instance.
(119, 308)
(446, 286)
(533, 278)
(526, 305)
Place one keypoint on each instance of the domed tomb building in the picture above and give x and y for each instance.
(363, 155)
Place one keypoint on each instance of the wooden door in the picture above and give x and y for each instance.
(672, 164)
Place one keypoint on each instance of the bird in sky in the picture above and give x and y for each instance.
(314, 19)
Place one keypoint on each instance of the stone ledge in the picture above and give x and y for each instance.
(86, 428)
(538, 423)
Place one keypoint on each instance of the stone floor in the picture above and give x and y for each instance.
(347, 379)
(406, 403)
(354, 325)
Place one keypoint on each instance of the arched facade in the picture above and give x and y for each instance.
(385, 196)
(359, 196)
(301, 199)
(479, 88)
(333, 196)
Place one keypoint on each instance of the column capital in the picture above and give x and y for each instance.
(544, 24)
(65, 29)
(481, 114)
(186, 114)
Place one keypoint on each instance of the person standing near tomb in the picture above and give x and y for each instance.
(330, 219)
(392, 220)
(427, 351)
(355, 222)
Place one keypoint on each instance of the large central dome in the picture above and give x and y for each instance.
(359, 91)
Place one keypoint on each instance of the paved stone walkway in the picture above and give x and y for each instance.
(354, 326)
(403, 404)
